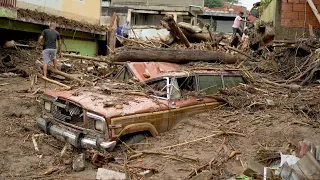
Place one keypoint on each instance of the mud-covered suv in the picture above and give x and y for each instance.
(88, 117)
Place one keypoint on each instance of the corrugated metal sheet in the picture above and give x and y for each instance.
(8, 3)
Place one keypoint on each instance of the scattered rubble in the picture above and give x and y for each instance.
(79, 163)
(105, 174)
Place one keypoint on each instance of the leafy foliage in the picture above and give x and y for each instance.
(213, 3)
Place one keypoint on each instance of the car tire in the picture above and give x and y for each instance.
(134, 139)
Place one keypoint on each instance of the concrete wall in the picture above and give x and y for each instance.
(269, 14)
(293, 18)
(107, 13)
(166, 5)
(80, 10)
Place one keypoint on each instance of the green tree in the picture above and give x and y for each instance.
(213, 3)
(233, 1)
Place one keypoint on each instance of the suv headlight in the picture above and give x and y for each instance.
(99, 125)
(99, 121)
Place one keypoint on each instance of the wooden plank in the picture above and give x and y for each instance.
(314, 9)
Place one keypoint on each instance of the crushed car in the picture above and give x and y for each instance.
(91, 117)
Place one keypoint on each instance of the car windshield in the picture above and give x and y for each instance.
(211, 84)
(178, 87)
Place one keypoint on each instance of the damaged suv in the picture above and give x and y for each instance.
(93, 118)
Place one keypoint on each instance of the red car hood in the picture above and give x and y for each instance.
(95, 101)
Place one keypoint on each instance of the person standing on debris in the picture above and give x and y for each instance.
(255, 9)
(49, 53)
(126, 30)
(237, 24)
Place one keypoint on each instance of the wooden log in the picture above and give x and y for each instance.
(241, 52)
(84, 57)
(166, 39)
(208, 28)
(53, 81)
(176, 30)
(189, 27)
(197, 36)
(294, 87)
(112, 34)
(94, 59)
(68, 76)
(137, 54)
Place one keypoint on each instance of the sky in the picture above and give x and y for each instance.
(248, 3)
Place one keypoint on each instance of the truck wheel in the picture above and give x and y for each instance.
(134, 139)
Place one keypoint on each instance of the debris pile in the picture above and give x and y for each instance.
(42, 17)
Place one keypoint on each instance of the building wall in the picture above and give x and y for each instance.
(80, 10)
(293, 18)
(107, 13)
(84, 47)
(165, 5)
(269, 14)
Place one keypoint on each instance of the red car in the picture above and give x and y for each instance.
(90, 117)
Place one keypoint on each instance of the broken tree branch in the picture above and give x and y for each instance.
(196, 140)
(68, 76)
(168, 154)
(35, 144)
(53, 81)
(176, 30)
(210, 33)
(84, 57)
(142, 43)
(241, 52)
(294, 87)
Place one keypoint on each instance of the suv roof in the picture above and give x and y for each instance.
(147, 71)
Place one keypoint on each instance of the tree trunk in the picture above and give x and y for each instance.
(197, 36)
(112, 31)
(137, 54)
(176, 30)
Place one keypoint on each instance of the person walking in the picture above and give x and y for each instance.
(237, 24)
(126, 30)
(49, 53)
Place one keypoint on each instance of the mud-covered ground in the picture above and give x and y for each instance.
(267, 129)
(18, 158)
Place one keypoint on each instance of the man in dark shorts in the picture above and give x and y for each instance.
(49, 53)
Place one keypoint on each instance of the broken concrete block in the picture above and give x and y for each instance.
(255, 168)
(79, 163)
(305, 147)
(291, 173)
(204, 175)
(106, 174)
(309, 166)
(146, 173)
(270, 102)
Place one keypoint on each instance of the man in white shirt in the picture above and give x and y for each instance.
(126, 30)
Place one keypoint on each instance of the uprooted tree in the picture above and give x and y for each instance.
(138, 54)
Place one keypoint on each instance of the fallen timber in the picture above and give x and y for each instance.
(137, 54)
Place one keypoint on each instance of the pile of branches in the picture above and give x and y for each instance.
(298, 61)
